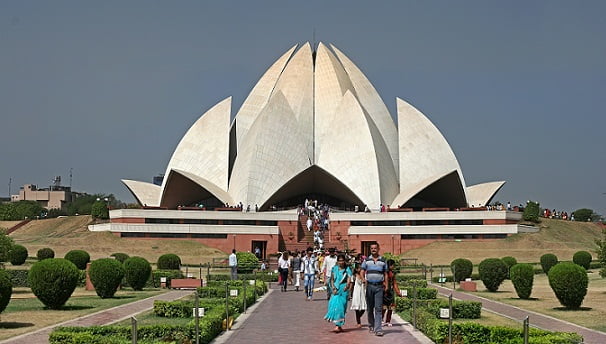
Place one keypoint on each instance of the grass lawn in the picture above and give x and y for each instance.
(544, 301)
(26, 313)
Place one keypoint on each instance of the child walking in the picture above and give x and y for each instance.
(389, 297)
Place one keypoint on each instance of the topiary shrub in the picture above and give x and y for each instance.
(547, 261)
(569, 283)
(492, 273)
(247, 262)
(18, 255)
(106, 275)
(121, 257)
(509, 261)
(79, 257)
(169, 261)
(53, 281)
(522, 277)
(6, 289)
(582, 258)
(461, 268)
(531, 212)
(45, 253)
(137, 271)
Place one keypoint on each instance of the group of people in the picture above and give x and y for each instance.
(560, 215)
(368, 282)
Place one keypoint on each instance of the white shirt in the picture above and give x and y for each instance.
(233, 261)
(328, 264)
(309, 265)
(283, 263)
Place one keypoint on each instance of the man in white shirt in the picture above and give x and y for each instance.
(309, 269)
(233, 264)
(329, 262)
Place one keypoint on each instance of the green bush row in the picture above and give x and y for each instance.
(423, 293)
(419, 283)
(183, 309)
(210, 327)
(460, 309)
(261, 276)
(404, 278)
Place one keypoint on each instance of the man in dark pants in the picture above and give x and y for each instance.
(375, 277)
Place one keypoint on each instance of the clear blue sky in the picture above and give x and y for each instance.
(108, 88)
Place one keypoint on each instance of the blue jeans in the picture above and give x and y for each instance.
(308, 283)
(234, 272)
(374, 304)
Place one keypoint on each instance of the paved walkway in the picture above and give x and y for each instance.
(288, 317)
(536, 319)
(105, 317)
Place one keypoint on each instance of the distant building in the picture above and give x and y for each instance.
(55, 196)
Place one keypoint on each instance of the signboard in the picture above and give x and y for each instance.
(162, 279)
(404, 292)
(444, 313)
(200, 312)
(190, 275)
(442, 280)
(251, 282)
(233, 292)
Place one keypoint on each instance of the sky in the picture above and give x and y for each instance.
(107, 89)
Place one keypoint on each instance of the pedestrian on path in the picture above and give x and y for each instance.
(296, 270)
(389, 297)
(329, 262)
(233, 264)
(339, 284)
(375, 275)
(358, 296)
(283, 268)
(309, 269)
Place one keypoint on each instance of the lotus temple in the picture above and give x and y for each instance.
(313, 130)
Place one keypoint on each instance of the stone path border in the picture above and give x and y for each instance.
(537, 320)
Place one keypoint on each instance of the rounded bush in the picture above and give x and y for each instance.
(121, 257)
(18, 255)
(547, 261)
(492, 273)
(79, 257)
(106, 275)
(53, 281)
(247, 262)
(137, 271)
(569, 282)
(461, 268)
(169, 261)
(509, 261)
(45, 253)
(6, 289)
(582, 258)
(522, 277)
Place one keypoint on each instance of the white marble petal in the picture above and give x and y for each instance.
(144, 193)
(481, 194)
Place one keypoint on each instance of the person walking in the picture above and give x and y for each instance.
(339, 284)
(233, 264)
(389, 297)
(375, 275)
(296, 270)
(358, 296)
(283, 267)
(309, 269)
(329, 262)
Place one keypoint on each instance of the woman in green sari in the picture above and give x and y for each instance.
(339, 284)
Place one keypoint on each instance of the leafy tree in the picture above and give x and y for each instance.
(582, 258)
(601, 251)
(6, 289)
(462, 268)
(509, 261)
(53, 281)
(583, 214)
(6, 244)
(169, 261)
(121, 257)
(18, 255)
(106, 275)
(45, 253)
(548, 260)
(522, 277)
(247, 262)
(492, 273)
(79, 257)
(531, 212)
(14, 211)
(137, 271)
(569, 282)
(99, 210)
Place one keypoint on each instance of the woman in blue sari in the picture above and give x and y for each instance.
(339, 284)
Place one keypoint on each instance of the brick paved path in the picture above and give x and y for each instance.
(536, 320)
(108, 316)
(288, 318)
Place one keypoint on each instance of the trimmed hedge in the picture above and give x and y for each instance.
(18, 278)
(137, 271)
(547, 261)
(582, 258)
(260, 276)
(53, 281)
(423, 293)
(247, 262)
(6, 289)
(79, 257)
(409, 283)
(522, 277)
(461, 268)
(17, 254)
(45, 253)
(106, 275)
(402, 277)
(492, 273)
(169, 261)
(569, 282)
(121, 257)
(460, 309)
(169, 274)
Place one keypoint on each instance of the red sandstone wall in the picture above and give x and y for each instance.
(128, 220)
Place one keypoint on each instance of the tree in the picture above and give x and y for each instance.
(14, 211)
(583, 214)
(106, 275)
(99, 210)
(461, 268)
(569, 282)
(53, 281)
(522, 277)
(6, 244)
(531, 212)
(601, 251)
(492, 273)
